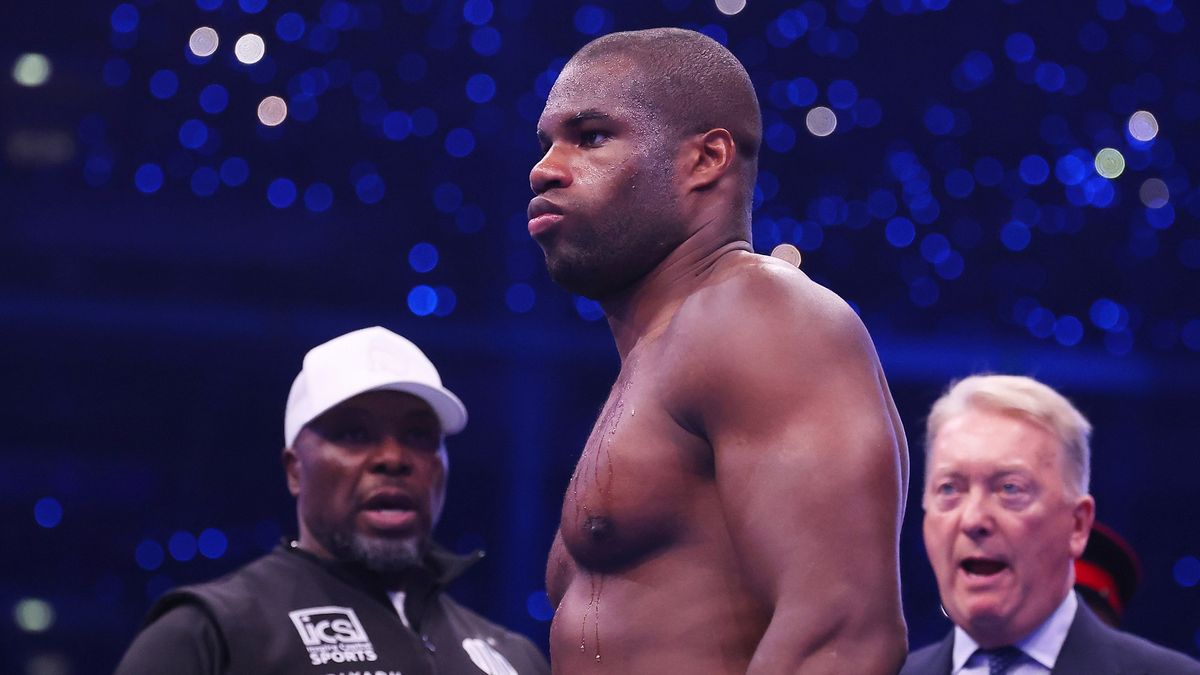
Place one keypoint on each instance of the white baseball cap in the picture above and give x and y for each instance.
(368, 359)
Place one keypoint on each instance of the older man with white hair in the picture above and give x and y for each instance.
(1007, 512)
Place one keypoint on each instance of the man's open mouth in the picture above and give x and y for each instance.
(983, 567)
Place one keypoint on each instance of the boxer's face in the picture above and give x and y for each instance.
(369, 477)
(606, 208)
(1002, 527)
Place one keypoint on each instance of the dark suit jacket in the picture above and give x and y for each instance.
(1091, 648)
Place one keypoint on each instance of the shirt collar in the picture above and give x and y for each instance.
(1042, 645)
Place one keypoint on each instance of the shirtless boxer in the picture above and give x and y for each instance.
(737, 507)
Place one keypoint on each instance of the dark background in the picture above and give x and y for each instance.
(150, 335)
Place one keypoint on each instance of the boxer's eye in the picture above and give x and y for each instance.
(593, 137)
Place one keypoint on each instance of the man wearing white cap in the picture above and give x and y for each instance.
(360, 591)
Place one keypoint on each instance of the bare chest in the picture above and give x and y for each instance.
(637, 475)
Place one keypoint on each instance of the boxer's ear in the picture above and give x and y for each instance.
(708, 157)
(291, 468)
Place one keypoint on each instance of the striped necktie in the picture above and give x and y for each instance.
(1001, 659)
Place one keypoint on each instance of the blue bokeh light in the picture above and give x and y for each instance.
(447, 197)
(481, 88)
(423, 257)
(48, 512)
(478, 12)
(1034, 170)
(422, 300)
(539, 607)
(149, 555)
(588, 309)
(148, 178)
(1015, 235)
(1019, 47)
(318, 197)
(1187, 571)
(1068, 331)
(801, 92)
(1105, 314)
(193, 133)
(959, 183)
(213, 543)
(780, 137)
(842, 94)
(234, 171)
(424, 122)
(205, 181)
(900, 231)
(290, 27)
(446, 301)
(1050, 76)
(281, 193)
(590, 19)
(252, 6)
(213, 99)
(935, 248)
(460, 142)
(939, 120)
(486, 41)
(124, 18)
(1111, 10)
(116, 72)
(520, 298)
(163, 84)
(182, 546)
(397, 125)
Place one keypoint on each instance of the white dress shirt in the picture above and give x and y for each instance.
(1039, 649)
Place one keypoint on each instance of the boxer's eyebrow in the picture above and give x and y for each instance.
(587, 116)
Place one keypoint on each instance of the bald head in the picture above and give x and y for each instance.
(693, 82)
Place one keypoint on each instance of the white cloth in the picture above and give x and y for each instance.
(398, 602)
(1040, 648)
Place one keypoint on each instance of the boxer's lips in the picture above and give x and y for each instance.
(982, 567)
(543, 214)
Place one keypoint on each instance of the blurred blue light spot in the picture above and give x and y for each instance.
(1070, 170)
(900, 232)
(1162, 217)
(337, 14)
(519, 297)
(808, 236)
(977, 66)
(234, 171)
(370, 188)
(1187, 571)
(588, 310)
(163, 84)
(959, 183)
(842, 94)
(1034, 170)
(193, 133)
(1111, 10)
(252, 6)
(116, 71)
(1015, 235)
(988, 171)
(447, 197)
(148, 178)
(423, 257)
(1105, 314)
(422, 300)
(481, 88)
(205, 181)
(935, 248)
(951, 267)
(485, 41)
(780, 137)
(1019, 47)
(923, 291)
(97, 170)
(446, 301)
(290, 27)
(459, 142)
(1093, 37)
(425, 122)
(48, 512)
(182, 546)
(791, 25)
(478, 12)
(590, 19)
(1050, 76)
(124, 18)
(213, 99)
(881, 204)
(281, 193)
(397, 125)
(318, 197)
(1190, 335)
(939, 120)
(538, 606)
(149, 555)
(801, 91)
(209, 5)
(213, 543)
(1068, 331)
(1040, 322)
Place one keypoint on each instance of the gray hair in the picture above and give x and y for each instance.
(1029, 399)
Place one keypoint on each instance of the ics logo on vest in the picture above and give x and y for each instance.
(333, 634)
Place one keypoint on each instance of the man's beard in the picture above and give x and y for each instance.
(380, 555)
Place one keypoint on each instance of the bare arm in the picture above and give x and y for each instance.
(810, 466)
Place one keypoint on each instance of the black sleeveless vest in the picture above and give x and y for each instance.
(290, 612)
